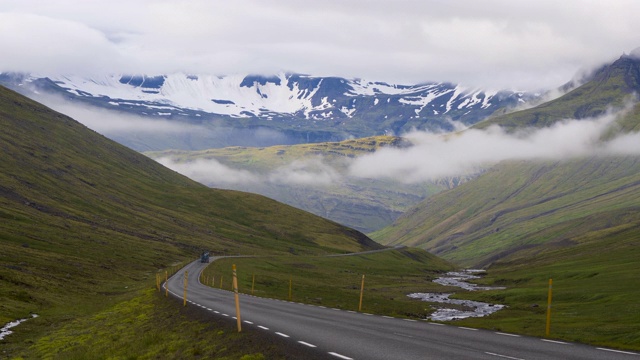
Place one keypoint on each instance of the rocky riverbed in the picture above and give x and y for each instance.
(466, 308)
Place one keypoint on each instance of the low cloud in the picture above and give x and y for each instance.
(436, 156)
(309, 172)
(313, 172)
(210, 172)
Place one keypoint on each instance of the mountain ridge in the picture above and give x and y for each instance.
(328, 108)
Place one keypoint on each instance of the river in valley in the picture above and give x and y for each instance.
(466, 308)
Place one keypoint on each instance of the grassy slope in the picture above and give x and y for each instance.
(86, 221)
(576, 222)
(363, 204)
(335, 281)
(595, 292)
(522, 206)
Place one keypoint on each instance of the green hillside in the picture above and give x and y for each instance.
(574, 221)
(522, 207)
(86, 221)
(363, 204)
(610, 87)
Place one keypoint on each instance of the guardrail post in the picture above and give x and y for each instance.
(548, 329)
(237, 298)
(361, 293)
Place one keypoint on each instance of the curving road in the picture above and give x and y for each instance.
(344, 334)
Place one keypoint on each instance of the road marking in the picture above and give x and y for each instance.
(506, 334)
(306, 344)
(618, 351)
(336, 309)
(208, 309)
(248, 322)
(387, 317)
(503, 356)
(367, 314)
(432, 323)
(263, 327)
(340, 356)
(281, 334)
(217, 312)
(410, 320)
(225, 315)
(466, 328)
(403, 335)
(556, 342)
(324, 307)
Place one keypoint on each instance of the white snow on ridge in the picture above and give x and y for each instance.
(266, 96)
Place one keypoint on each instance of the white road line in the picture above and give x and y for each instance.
(263, 327)
(307, 344)
(555, 342)
(432, 323)
(618, 351)
(225, 315)
(466, 328)
(506, 334)
(410, 320)
(387, 317)
(248, 322)
(336, 309)
(217, 312)
(503, 356)
(283, 335)
(340, 356)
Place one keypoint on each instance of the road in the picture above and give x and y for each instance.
(344, 334)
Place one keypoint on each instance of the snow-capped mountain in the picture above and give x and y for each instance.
(351, 107)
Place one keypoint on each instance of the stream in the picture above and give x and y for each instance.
(459, 279)
(4, 331)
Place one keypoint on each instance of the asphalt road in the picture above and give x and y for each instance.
(344, 334)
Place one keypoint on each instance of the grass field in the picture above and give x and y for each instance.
(336, 281)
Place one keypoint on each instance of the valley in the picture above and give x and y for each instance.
(87, 222)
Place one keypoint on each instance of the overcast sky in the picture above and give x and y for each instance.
(526, 45)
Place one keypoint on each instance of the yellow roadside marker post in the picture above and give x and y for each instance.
(186, 282)
(361, 293)
(235, 291)
(548, 330)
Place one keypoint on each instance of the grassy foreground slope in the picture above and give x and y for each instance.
(84, 220)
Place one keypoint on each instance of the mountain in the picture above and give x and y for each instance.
(301, 108)
(607, 88)
(518, 208)
(85, 220)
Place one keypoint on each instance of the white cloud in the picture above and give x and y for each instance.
(437, 156)
(493, 43)
(312, 172)
(210, 172)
